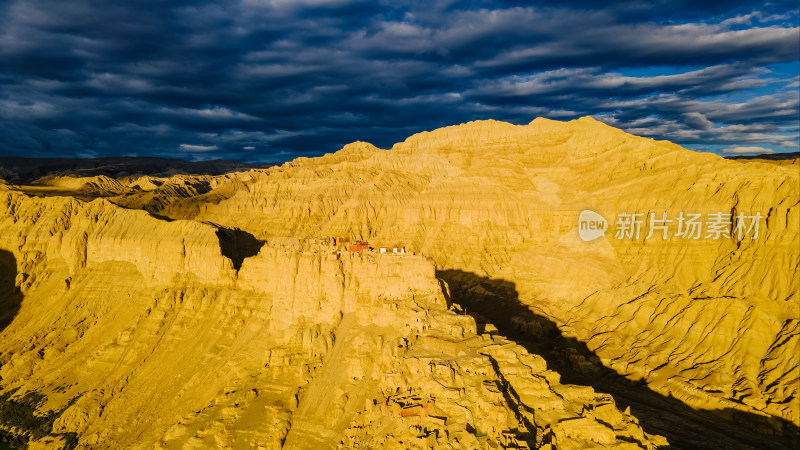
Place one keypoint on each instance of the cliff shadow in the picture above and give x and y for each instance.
(496, 301)
(10, 295)
(236, 245)
(10, 301)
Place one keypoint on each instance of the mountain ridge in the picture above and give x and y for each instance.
(488, 213)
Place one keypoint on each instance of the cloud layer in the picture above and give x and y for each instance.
(268, 80)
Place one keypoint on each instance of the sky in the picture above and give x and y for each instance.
(270, 80)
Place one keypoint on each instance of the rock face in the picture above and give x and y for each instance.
(145, 342)
(218, 311)
(713, 322)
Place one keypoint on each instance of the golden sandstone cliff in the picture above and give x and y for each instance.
(143, 335)
(216, 311)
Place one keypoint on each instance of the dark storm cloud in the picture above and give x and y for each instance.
(271, 79)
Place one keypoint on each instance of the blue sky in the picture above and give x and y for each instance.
(269, 80)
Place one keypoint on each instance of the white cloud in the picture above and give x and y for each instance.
(212, 113)
(738, 150)
(698, 121)
(198, 148)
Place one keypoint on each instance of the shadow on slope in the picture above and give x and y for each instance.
(496, 301)
(10, 295)
(237, 245)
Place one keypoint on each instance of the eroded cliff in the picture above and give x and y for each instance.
(711, 321)
(141, 334)
(494, 207)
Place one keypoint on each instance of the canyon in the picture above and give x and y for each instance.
(221, 309)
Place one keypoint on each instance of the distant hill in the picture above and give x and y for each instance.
(775, 158)
(23, 170)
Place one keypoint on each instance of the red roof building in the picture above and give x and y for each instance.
(358, 246)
